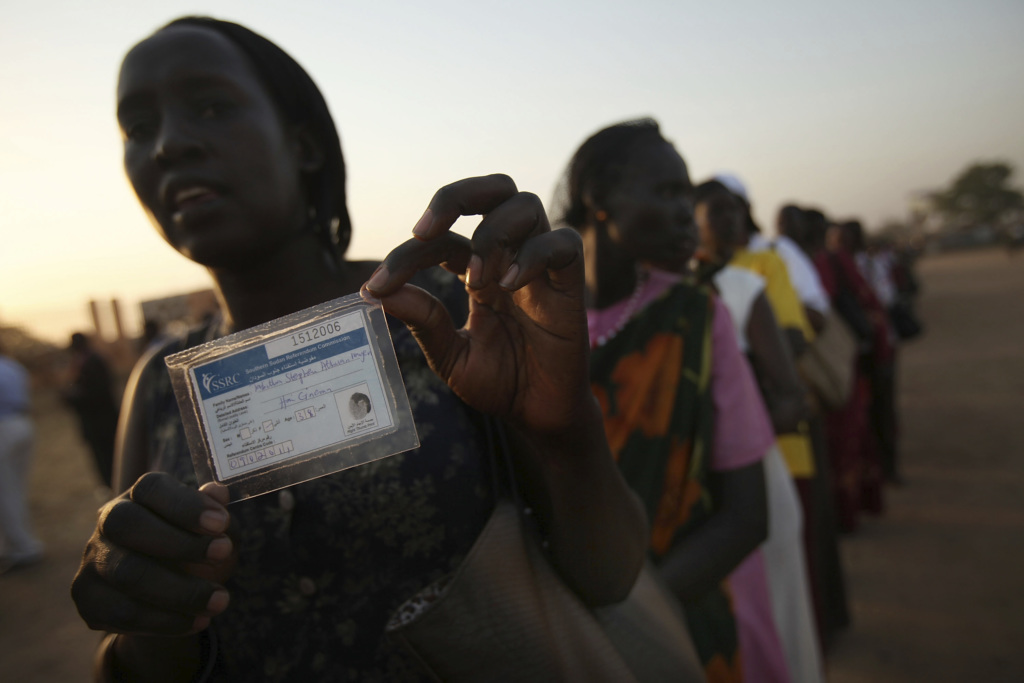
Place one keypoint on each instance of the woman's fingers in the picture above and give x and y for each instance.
(118, 589)
(180, 505)
(558, 255)
(470, 197)
(430, 324)
(511, 218)
(136, 527)
(218, 492)
(166, 603)
(467, 197)
(413, 255)
(500, 236)
(136, 574)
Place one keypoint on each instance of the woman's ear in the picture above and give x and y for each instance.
(595, 213)
(308, 151)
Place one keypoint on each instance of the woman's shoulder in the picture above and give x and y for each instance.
(765, 263)
(772, 260)
(150, 371)
(742, 279)
(684, 291)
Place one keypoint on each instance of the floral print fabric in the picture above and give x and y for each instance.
(322, 565)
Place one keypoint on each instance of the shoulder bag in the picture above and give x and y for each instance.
(505, 616)
(828, 365)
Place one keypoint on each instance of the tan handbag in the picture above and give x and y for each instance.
(505, 616)
(828, 364)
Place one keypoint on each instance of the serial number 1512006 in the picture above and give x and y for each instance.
(311, 334)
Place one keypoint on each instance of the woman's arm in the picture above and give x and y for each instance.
(738, 525)
(523, 356)
(783, 391)
(595, 525)
(785, 303)
(131, 447)
(156, 560)
(816, 318)
(742, 435)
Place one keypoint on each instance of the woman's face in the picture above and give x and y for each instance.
(720, 223)
(650, 215)
(206, 150)
(834, 238)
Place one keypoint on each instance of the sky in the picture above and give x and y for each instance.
(851, 107)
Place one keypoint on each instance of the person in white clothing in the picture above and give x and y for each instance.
(802, 272)
(762, 341)
(742, 292)
(18, 546)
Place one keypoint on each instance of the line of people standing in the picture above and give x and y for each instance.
(648, 413)
(698, 322)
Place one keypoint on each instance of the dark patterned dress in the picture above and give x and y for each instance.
(323, 564)
(653, 381)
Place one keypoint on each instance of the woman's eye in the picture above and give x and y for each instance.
(139, 130)
(674, 191)
(212, 110)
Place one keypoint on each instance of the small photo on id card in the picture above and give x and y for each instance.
(296, 398)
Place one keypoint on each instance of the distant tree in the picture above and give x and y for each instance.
(979, 196)
(896, 230)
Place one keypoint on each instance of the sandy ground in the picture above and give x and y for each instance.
(937, 584)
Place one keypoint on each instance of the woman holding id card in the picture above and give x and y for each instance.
(233, 154)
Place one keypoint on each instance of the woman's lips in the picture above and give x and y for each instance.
(193, 195)
(194, 203)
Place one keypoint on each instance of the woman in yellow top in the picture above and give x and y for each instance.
(785, 302)
(729, 247)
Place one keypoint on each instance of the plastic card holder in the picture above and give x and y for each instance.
(296, 398)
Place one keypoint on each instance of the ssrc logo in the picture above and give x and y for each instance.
(218, 383)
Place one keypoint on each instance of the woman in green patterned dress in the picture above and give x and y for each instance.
(681, 411)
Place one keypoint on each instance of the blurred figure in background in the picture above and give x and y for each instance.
(18, 546)
(833, 432)
(91, 396)
(819, 532)
(681, 408)
(782, 294)
(721, 224)
(802, 273)
(876, 269)
(852, 448)
(898, 265)
(794, 443)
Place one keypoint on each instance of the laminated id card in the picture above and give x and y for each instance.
(296, 398)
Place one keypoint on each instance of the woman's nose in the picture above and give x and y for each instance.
(685, 210)
(176, 142)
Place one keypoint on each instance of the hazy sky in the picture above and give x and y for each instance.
(849, 106)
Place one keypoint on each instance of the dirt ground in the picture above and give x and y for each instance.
(936, 585)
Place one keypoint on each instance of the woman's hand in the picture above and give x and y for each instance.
(523, 352)
(523, 356)
(157, 559)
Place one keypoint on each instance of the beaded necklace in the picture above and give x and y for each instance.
(627, 311)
